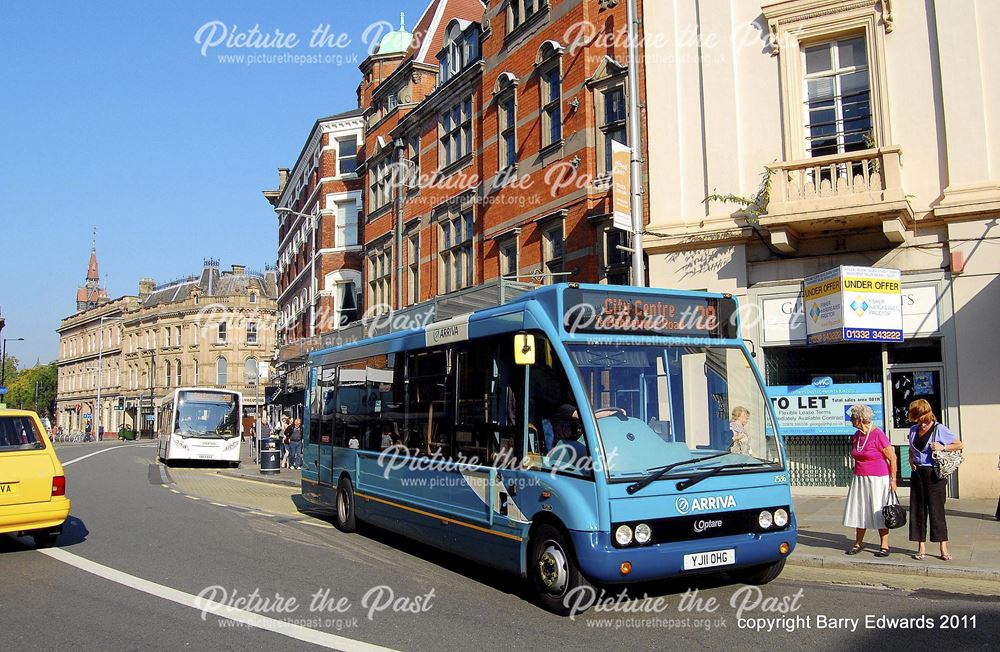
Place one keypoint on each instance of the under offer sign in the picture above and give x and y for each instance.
(854, 304)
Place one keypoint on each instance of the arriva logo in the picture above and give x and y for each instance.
(705, 504)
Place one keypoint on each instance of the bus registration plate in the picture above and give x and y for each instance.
(708, 559)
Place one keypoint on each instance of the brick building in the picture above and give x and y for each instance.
(486, 141)
(483, 166)
(318, 206)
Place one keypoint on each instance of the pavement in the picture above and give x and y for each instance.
(973, 532)
(249, 469)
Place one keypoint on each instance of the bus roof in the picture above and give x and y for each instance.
(552, 300)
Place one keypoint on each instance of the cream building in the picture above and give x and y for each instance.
(877, 126)
(90, 340)
(209, 330)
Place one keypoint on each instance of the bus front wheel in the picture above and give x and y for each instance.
(345, 506)
(553, 571)
(760, 575)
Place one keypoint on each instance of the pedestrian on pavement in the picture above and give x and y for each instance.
(874, 480)
(295, 445)
(927, 491)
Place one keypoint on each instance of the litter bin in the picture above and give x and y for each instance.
(270, 460)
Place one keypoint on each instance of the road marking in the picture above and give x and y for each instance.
(322, 525)
(105, 450)
(261, 514)
(192, 497)
(210, 607)
(219, 505)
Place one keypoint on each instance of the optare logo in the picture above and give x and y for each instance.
(708, 503)
(701, 526)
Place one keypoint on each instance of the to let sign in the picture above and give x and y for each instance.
(853, 304)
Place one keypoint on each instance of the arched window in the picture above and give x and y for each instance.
(177, 372)
(194, 371)
(166, 369)
(221, 371)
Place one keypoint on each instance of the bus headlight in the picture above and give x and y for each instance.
(764, 519)
(232, 445)
(623, 535)
(780, 518)
(643, 533)
(180, 443)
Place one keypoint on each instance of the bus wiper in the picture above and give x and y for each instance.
(695, 479)
(632, 488)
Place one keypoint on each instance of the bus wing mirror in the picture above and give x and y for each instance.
(524, 349)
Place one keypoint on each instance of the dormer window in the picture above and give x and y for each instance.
(461, 48)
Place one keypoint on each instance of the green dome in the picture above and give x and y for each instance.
(396, 42)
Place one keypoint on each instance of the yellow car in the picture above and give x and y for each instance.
(32, 484)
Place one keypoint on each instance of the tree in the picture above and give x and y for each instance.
(34, 389)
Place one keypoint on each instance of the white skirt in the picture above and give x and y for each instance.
(865, 499)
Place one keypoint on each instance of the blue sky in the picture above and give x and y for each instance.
(112, 117)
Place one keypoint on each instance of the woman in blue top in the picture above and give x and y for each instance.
(927, 491)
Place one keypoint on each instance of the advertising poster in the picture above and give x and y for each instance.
(824, 408)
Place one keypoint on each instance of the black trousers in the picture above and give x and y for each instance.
(927, 494)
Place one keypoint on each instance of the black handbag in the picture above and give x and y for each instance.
(893, 513)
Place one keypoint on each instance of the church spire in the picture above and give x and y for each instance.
(91, 294)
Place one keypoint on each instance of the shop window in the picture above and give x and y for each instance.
(854, 362)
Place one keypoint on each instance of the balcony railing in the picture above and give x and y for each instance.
(851, 190)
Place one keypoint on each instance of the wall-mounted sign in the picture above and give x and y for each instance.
(621, 186)
(853, 304)
(824, 407)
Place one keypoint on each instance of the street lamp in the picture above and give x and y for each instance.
(100, 354)
(314, 223)
(152, 383)
(3, 357)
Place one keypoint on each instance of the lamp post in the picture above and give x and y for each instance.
(314, 223)
(100, 354)
(152, 383)
(3, 357)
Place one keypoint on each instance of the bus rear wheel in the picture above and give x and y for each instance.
(553, 571)
(760, 575)
(345, 506)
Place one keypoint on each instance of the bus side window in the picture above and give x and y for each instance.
(427, 429)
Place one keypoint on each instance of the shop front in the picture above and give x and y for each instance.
(813, 385)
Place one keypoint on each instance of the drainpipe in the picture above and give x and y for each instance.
(400, 146)
(634, 125)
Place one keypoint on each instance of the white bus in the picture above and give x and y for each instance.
(200, 424)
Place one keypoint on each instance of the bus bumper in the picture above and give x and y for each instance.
(602, 562)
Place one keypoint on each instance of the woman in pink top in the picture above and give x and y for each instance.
(874, 479)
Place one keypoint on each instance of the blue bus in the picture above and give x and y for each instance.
(577, 435)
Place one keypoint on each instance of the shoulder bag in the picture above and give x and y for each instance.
(945, 462)
(893, 513)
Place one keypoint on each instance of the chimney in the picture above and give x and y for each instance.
(146, 286)
(239, 270)
(282, 178)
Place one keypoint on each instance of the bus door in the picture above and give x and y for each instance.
(321, 426)
(488, 430)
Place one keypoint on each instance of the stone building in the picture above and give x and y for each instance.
(208, 330)
(89, 348)
(873, 122)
